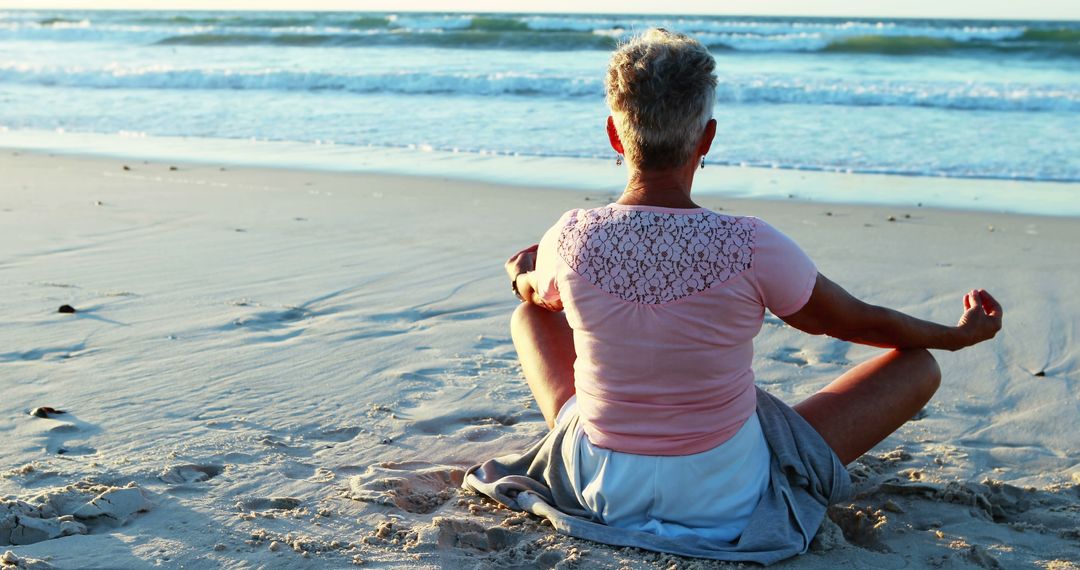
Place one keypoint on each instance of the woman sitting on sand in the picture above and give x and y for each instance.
(636, 337)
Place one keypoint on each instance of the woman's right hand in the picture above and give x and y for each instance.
(521, 262)
(981, 319)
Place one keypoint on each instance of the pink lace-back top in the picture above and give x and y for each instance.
(665, 304)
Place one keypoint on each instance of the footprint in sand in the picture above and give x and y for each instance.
(790, 355)
(449, 423)
(452, 533)
(297, 470)
(487, 428)
(284, 446)
(862, 526)
(191, 473)
(270, 503)
(416, 487)
(832, 353)
(276, 325)
(336, 435)
(458, 542)
(58, 433)
(481, 434)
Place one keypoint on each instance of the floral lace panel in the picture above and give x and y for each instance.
(653, 258)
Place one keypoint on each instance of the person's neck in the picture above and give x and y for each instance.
(662, 188)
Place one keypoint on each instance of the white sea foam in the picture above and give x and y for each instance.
(732, 89)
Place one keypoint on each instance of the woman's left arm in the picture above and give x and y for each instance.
(833, 311)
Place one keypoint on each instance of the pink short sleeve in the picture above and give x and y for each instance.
(548, 260)
(784, 274)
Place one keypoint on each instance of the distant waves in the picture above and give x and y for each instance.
(537, 32)
(731, 89)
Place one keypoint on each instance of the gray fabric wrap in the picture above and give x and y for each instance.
(805, 477)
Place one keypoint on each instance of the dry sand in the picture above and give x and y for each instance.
(285, 368)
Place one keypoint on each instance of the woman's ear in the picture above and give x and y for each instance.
(707, 138)
(613, 135)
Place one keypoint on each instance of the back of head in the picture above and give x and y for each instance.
(660, 87)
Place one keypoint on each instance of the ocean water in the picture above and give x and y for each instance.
(959, 99)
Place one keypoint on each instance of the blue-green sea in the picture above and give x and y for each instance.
(945, 98)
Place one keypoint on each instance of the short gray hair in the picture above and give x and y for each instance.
(660, 87)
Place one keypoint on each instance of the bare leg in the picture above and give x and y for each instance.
(545, 346)
(869, 402)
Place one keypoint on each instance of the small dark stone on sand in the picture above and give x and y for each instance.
(828, 213)
(1040, 373)
(240, 230)
(891, 218)
(98, 203)
(66, 309)
(126, 167)
(907, 216)
(173, 168)
(45, 411)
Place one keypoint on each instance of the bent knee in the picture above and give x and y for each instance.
(524, 316)
(927, 373)
(521, 314)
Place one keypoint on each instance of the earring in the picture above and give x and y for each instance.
(618, 160)
(703, 161)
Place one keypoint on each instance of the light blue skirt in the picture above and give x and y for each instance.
(709, 494)
(805, 477)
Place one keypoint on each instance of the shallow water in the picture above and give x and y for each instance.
(959, 99)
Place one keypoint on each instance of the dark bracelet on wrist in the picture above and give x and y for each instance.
(513, 286)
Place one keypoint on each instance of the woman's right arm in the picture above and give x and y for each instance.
(521, 270)
(833, 311)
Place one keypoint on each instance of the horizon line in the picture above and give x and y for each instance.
(541, 12)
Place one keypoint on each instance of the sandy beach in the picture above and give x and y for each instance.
(284, 368)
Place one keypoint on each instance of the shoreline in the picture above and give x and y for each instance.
(1046, 198)
(293, 367)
